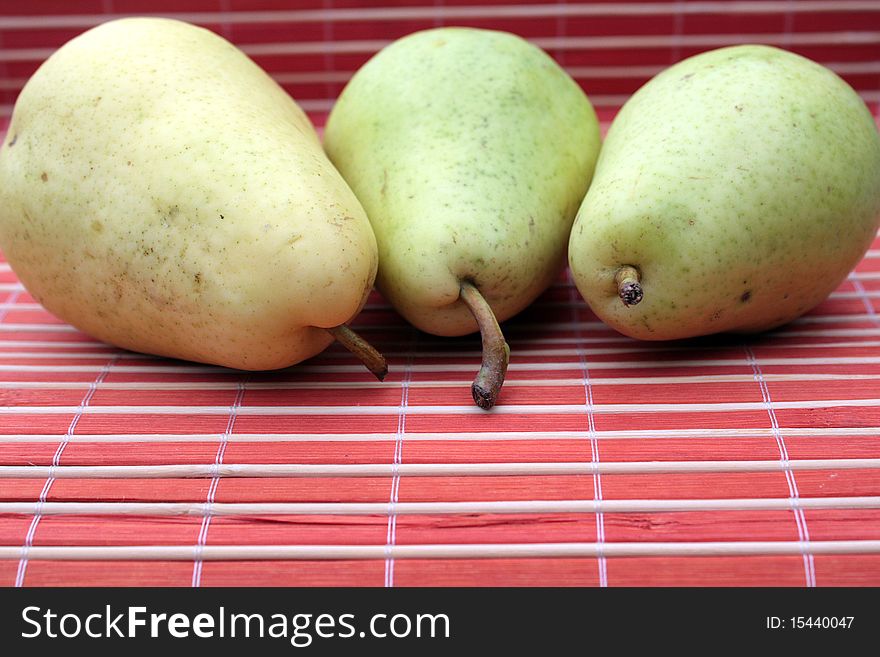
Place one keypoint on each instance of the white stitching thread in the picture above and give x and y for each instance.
(602, 562)
(800, 519)
(50, 479)
(215, 482)
(391, 532)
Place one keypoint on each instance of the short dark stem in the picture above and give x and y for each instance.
(366, 353)
(629, 287)
(496, 352)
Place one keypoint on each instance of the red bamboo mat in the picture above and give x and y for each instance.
(722, 461)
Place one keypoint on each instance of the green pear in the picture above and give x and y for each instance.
(470, 151)
(160, 192)
(734, 192)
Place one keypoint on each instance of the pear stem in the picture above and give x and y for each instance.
(496, 352)
(365, 352)
(629, 287)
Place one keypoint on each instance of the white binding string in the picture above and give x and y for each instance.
(50, 477)
(602, 563)
(800, 519)
(397, 460)
(215, 482)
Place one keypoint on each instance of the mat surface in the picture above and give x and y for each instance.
(712, 462)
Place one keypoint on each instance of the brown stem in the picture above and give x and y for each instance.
(496, 352)
(366, 353)
(629, 287)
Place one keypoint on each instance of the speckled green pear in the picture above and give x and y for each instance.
(160, 192)
(740, 187)
(470, 151)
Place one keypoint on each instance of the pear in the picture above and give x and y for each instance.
(734, 192)
(470, 151)
(160, 192)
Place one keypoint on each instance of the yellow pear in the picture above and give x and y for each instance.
(159, 191)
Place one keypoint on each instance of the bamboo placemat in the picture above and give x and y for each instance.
(722, 461)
